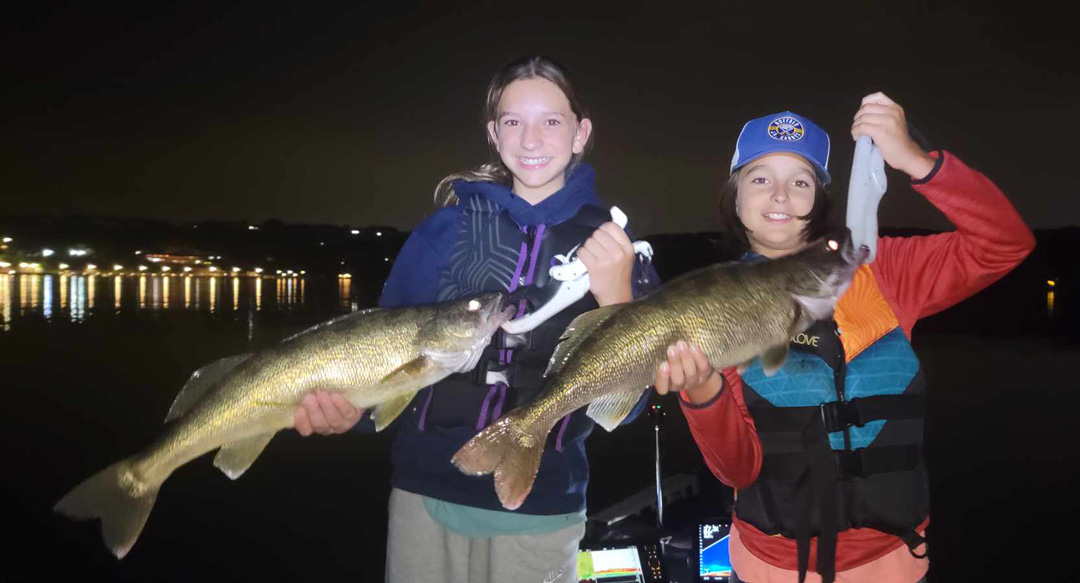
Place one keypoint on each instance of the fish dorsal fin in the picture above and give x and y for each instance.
(235, 457)
(200, 382)
(385, 412)
(579, 329)
(610, 410)
(330, 322)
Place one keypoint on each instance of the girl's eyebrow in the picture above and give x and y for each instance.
(503, 114)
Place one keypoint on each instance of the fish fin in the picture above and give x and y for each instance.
(460, 361)
(610, 410)
(111, 495)
(801, 320)
(773, 359)
(814, 308)
(408, 371)
(200, 382)
(330, 322)
(509, 451)
(579, 329)
(234, 458)
(385, 412)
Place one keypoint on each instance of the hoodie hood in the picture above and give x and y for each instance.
(560, 206)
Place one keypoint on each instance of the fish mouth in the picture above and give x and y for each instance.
(855, 257)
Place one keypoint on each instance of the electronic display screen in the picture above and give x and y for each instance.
(610, 565)
(714, 559)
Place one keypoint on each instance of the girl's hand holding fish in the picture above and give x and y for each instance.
(609, 256)
(687, 370)
(325, 413)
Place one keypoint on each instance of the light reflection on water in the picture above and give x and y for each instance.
(67, 297)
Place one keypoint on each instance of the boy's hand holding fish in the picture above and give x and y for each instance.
(688, 370)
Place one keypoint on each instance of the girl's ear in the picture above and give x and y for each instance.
(582, 137)
(492, 135)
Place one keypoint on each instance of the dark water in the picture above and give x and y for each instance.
(90, 366)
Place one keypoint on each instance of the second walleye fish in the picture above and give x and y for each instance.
(734, 311)
(378, 359)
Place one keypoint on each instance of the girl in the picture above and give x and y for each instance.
(498, 228)
(826, 454)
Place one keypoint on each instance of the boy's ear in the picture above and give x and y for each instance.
(582, 137)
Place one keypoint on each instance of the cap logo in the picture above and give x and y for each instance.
(786, 129)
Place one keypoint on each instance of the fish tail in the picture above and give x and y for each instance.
(509, 450)
(118, 498)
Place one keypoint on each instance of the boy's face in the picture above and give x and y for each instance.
(774, 191)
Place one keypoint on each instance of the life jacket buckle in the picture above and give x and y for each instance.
(837, 415)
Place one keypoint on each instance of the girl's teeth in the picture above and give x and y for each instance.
(777, 216)
(534, 161)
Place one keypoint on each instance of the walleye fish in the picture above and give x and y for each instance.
(734, 311)
(376, 358)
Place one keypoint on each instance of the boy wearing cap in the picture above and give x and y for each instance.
(826, 455)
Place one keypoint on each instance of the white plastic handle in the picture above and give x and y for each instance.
(574, 283)
(868, 184)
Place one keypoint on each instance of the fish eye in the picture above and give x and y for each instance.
(833, 245)
(474, 305)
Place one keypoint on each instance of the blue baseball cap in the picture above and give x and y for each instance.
(783, 132)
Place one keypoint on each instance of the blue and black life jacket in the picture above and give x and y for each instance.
(841, 429)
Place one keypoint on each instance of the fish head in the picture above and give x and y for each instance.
(822, 272)
(467, 323)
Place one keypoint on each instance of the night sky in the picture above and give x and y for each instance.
(352, 115)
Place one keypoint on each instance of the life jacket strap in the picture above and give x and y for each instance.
(856, 463)
(914, 540)
(838, 415)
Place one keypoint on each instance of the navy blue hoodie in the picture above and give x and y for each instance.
(433, 265)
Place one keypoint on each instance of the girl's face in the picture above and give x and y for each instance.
(536, 133)
(774, 191)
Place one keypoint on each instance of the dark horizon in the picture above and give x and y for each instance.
(353, 115)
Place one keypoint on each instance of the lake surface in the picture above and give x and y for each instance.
(75, 297)
(90, 365)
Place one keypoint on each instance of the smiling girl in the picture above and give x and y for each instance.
(498, 228)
